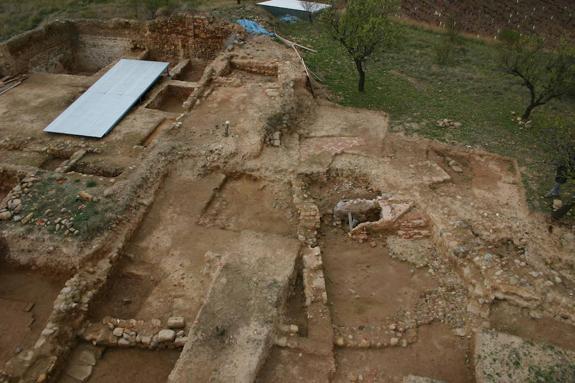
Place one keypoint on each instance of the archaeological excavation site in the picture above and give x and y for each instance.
(226, 223)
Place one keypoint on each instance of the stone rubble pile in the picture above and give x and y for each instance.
(447, 123)
(13, 208)
(152, 335)
(61, 221)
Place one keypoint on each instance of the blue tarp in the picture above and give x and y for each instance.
(290, 19)
(254, 28)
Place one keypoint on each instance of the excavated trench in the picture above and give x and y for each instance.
(192, 71)
(370, 290)
(168, 266)
(171, 99)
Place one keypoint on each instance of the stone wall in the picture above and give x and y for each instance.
(89, 45)
(188, 36)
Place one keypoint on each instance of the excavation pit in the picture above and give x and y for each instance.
(248, 203)
(192, 71)
(329, 189)
(171, 99)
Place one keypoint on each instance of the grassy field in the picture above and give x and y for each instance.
(408, 83)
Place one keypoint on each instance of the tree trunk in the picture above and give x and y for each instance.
(528, 111)
(361, 73)
(563, 210)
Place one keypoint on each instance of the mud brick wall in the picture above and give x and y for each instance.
(44, 49)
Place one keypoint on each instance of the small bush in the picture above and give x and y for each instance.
(450, 45)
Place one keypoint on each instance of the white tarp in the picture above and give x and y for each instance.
(102, 106)
(295, 5)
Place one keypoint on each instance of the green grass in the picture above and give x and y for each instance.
(54, 197)
(407, 83)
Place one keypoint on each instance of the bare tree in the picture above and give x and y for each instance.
(547, 75)
(310, 7)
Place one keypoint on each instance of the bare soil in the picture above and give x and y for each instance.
(124, 296)
(129, 366)
(246, 203)
(193, 71)
(516, 321)
(52, 163)
(169, 247)
(286, 365)
(364, 284)
(26, 298)
(171, 99)
(437, 354)
(226, 185)
(156, 132)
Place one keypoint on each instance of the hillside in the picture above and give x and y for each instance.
(552, 18)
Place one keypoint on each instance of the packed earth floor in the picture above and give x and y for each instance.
(233, 228)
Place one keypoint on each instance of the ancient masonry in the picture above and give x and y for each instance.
(232, 228)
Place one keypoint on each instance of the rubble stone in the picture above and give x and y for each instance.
(166, 335)
(176, 322)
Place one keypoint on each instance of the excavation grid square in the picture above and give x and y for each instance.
(102, 106)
